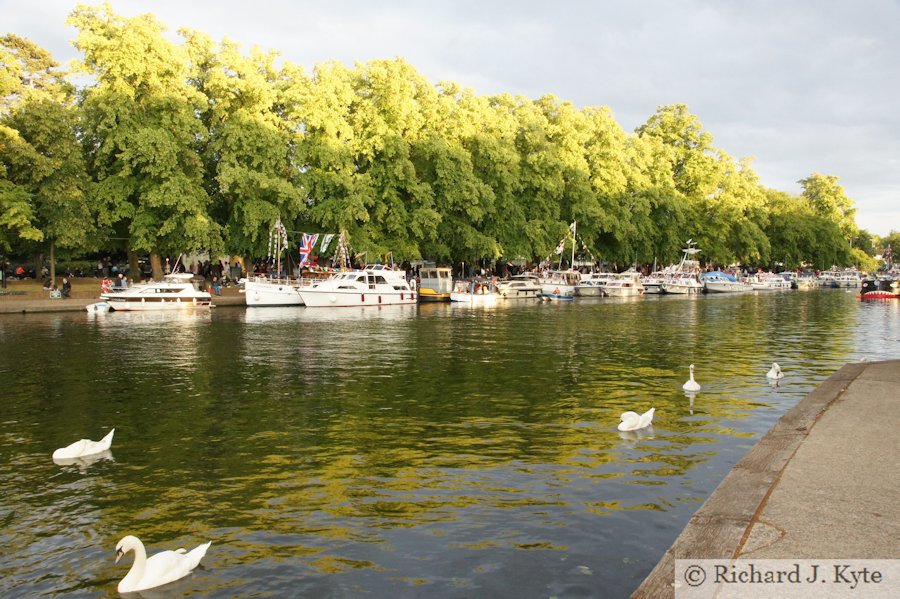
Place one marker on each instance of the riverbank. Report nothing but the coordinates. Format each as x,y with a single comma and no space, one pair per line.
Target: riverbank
821,483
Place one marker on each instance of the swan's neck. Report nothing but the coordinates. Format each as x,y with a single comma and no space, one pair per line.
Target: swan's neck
136,573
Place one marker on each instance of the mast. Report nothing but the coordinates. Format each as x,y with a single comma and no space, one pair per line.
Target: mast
574,227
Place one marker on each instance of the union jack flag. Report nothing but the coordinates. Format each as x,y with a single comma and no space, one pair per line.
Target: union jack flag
306,248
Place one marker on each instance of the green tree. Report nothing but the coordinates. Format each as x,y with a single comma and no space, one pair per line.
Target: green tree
45,189
828,199
143,134
250,171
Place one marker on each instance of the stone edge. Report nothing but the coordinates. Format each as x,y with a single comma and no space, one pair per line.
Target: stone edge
721,526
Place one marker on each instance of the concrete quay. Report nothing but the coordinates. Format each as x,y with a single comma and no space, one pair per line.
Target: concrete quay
823,483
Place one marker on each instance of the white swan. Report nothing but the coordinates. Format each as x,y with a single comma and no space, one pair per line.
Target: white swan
162,568
775,372
691,384
84,447
632,421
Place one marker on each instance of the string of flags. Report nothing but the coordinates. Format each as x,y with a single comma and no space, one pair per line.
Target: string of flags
308,245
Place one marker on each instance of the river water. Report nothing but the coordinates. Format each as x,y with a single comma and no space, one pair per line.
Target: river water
430,451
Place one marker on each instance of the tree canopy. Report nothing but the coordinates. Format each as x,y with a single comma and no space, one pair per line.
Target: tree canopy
198,145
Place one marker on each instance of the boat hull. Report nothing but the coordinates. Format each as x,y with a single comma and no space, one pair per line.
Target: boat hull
555,297
519,293
265,293
624,291
340,298
474,299
142,305
726,287
426,294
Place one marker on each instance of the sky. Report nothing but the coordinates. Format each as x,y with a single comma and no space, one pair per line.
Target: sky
801,86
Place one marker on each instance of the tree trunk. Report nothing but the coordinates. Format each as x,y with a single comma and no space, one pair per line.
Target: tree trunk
134,267
156,266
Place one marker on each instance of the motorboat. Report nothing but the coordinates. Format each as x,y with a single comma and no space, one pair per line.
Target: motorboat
685,278
176,291
682,283
593,284
98,307
265,291
474,293
560,283
519,287
885,287
435,284
377,285
807,280
723,282
767,281
652,281
846,278
625,284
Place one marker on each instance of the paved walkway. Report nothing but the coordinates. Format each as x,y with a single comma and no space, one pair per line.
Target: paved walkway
823,483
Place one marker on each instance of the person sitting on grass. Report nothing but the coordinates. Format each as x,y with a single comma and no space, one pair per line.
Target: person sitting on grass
66,288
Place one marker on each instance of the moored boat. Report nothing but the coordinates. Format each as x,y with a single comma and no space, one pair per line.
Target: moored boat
435,284
377,285
474,293
625,284
560,283
175,291
880,288
525,286
685,278
593,284
723,282
767,281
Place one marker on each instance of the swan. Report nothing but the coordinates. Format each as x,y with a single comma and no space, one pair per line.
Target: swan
84,447
162,568
691,384
775,372
632,421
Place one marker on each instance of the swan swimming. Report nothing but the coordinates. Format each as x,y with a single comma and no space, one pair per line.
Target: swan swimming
84,447
691,384
775,372
632,421
162,568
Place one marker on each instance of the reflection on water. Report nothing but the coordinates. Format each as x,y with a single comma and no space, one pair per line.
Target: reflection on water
397,450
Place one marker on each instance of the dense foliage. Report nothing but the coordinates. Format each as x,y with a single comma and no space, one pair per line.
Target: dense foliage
173,147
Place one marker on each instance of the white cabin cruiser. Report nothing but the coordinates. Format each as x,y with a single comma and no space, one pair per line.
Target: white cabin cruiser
560,283
686,277
767,281
263,291
723,282
377,285
474,293
594,284
519,287
625,284
175,291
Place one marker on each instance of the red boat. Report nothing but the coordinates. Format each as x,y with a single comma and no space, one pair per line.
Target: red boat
882,288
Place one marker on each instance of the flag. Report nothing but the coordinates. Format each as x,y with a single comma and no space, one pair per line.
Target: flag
306,247
572,227
559,248
326,241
